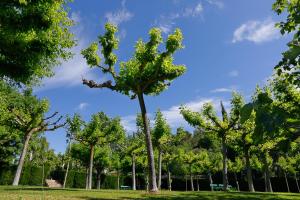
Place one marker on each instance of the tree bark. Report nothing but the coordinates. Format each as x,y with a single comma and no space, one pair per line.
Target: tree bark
297,182
133,173
286,181
91,167
118,179
191,179
236,182
210,181
197,184
22,157
268,183
151,164
249,171
98,179
68,165
224,152
87,178
159,169
169,180
186,183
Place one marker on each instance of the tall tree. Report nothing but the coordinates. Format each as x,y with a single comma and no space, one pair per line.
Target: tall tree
34,37
148,72
161,133
208,121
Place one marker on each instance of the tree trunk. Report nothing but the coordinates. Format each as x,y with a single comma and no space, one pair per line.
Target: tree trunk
186,183
210,181
249,171
297,182
236,182
118,179
91,167
133,173
98,179
151,164
286,181
268,183
87,178
224,152
169,180
22,157
68,165
197,183
159,169
191,179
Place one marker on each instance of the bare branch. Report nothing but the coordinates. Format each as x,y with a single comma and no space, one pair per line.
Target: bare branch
55,127
50,116
93,84
54,123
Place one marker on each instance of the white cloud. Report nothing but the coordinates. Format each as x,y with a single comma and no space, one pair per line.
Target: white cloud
173,116
70,72
166,22
256,31
224,89
119,16
82,106
216,3
233,73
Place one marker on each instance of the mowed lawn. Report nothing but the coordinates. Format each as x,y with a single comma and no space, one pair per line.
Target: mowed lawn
38,193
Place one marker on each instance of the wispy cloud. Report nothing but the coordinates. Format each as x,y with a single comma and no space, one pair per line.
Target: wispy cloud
256,31
173,116
224,89
82,106
233,73
70,72
217,3
166,22
120,16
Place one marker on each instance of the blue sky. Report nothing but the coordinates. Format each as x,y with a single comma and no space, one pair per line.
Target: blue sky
229,45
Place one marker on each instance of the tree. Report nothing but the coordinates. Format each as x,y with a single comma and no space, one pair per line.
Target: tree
100,130
236,166
209,122
102,161
161,136
148,72
290,63
34,37
26,113
74,126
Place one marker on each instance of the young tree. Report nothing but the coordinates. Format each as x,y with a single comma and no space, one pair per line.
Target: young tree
102,161
209,122
34,37
74,126
148,72
161,136
100,130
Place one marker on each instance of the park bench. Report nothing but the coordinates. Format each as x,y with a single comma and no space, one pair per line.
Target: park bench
218,187
125,187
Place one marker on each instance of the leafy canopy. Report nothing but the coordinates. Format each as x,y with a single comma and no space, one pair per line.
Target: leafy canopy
149,71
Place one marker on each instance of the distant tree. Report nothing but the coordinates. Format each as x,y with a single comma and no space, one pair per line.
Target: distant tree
236,166
209,122
34,37
100,130
74,126
102,161
161,138
148,72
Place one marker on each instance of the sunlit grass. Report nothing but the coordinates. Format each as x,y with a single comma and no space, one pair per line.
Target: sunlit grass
38,193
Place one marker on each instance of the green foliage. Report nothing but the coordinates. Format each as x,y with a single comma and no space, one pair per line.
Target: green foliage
290,63
34,37
147,72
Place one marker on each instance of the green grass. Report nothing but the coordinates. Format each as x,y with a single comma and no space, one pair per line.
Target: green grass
38,193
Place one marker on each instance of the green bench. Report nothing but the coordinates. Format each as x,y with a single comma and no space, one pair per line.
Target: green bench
125,187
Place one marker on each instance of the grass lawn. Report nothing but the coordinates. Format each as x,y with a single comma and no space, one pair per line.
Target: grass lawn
38,193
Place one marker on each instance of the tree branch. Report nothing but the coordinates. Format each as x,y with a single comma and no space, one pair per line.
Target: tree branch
55,127
109,70
93,84
50,116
